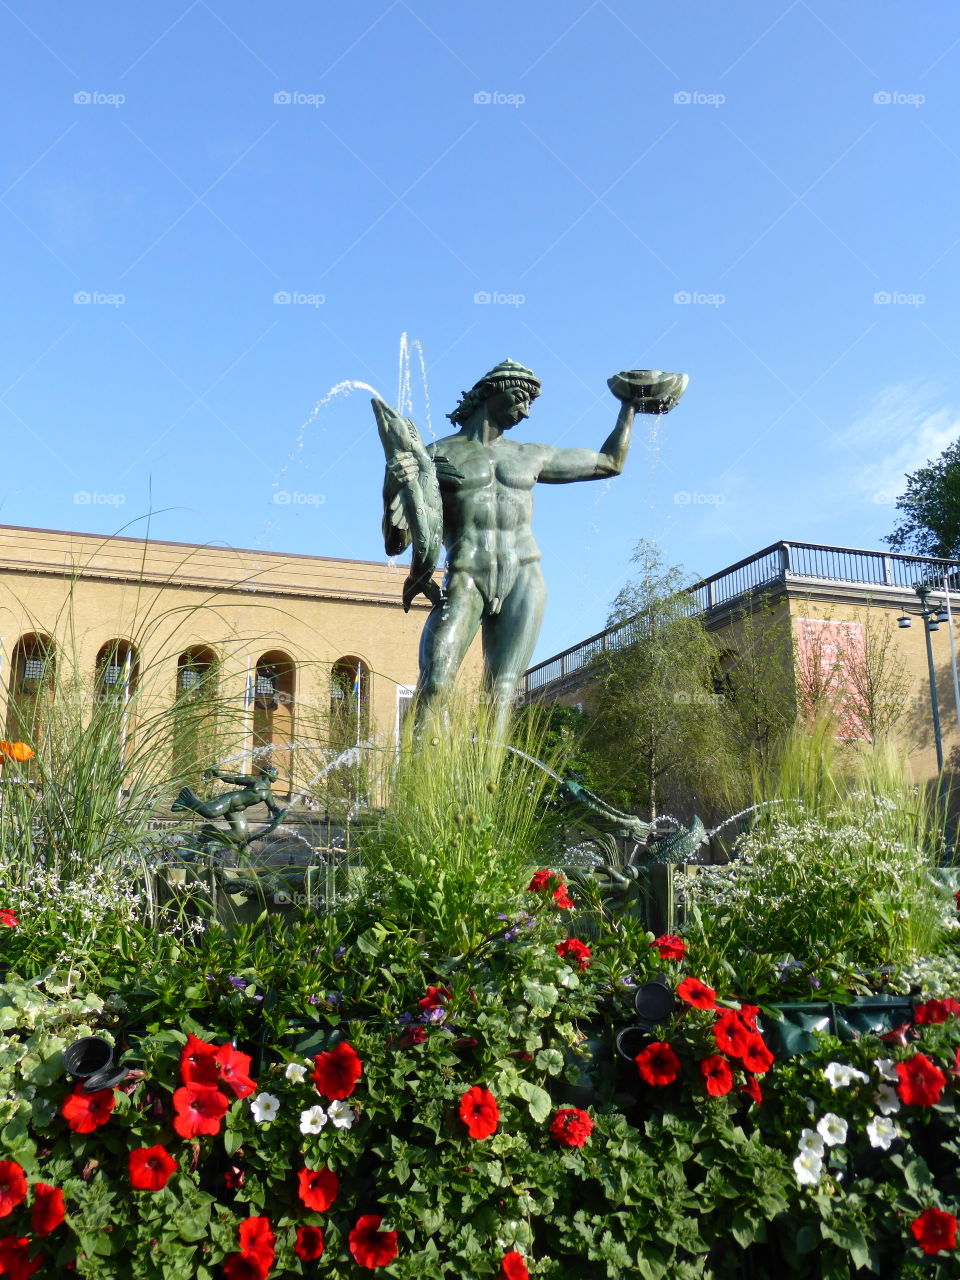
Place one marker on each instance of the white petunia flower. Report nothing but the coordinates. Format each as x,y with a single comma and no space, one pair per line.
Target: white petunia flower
881,1131
886,1068
296,1072
810,1140
887,1099
265,1107
841,1076
342,1115
313,1119
809,1168
832,1129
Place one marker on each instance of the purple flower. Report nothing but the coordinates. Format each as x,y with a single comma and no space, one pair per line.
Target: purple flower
629,981
814,982
314,999
238,984
433,1015
340,951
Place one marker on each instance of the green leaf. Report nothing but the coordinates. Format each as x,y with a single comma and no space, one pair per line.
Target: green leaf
537,1099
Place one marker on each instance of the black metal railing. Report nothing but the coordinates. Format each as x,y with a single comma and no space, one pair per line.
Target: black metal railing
782,562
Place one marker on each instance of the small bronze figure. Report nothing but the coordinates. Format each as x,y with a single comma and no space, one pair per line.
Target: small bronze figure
232,804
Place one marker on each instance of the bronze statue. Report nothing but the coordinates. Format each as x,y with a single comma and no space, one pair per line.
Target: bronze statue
477,498
231,805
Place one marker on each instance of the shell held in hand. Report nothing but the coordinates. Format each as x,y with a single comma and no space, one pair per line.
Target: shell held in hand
648,390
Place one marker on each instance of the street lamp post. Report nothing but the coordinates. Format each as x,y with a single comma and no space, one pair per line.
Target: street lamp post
932,616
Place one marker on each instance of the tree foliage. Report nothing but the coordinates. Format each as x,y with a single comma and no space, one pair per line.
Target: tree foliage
931,508
662,732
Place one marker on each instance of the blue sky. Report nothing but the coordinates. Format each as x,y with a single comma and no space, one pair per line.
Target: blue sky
732,191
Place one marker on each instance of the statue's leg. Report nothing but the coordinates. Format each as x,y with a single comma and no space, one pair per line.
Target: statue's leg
447,635
510,637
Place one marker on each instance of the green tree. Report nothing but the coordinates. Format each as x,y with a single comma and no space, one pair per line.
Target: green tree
931,507
662,733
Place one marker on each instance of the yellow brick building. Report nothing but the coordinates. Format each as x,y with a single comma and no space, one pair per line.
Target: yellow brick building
289,643
824,607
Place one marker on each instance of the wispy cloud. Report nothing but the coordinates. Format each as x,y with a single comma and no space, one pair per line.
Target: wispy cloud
904,428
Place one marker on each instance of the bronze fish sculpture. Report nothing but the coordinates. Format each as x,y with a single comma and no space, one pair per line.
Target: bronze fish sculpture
413,510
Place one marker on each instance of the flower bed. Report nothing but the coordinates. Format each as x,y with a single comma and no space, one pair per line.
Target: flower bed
329,1103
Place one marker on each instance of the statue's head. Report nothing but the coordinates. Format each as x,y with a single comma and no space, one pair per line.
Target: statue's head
509,390
269,771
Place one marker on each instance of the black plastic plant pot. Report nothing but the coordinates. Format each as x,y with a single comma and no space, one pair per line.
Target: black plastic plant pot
90,1059
654,1002
629,1041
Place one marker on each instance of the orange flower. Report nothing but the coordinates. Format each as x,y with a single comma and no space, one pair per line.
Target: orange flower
18,751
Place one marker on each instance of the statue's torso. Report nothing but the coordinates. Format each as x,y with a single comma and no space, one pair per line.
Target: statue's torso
487,514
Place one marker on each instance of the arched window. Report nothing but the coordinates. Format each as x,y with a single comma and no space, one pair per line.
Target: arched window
31,689
273,695
195,714
118,671
349,702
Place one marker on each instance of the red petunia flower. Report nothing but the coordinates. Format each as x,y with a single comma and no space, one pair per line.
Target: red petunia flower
199,1108
235,1177
513,1267
13,1186
198,1062
541,881
233,1068
85,1112
574,949
435,998
309,1244
370,1246
15,1260
748,1015
257,1241
561,898
697,993
670,946
571,1127
150,1168
657,1063
412,1035
921,1081
241,1267
318,1188
479,1112
935,1231
49,1209
752,1089
8,917
717,1075
935,1011
336,1071
731,1034
757,1057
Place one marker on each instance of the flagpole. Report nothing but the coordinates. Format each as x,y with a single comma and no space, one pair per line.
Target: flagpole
953,649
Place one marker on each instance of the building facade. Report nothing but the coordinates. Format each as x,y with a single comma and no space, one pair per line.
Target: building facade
839,616
298,649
